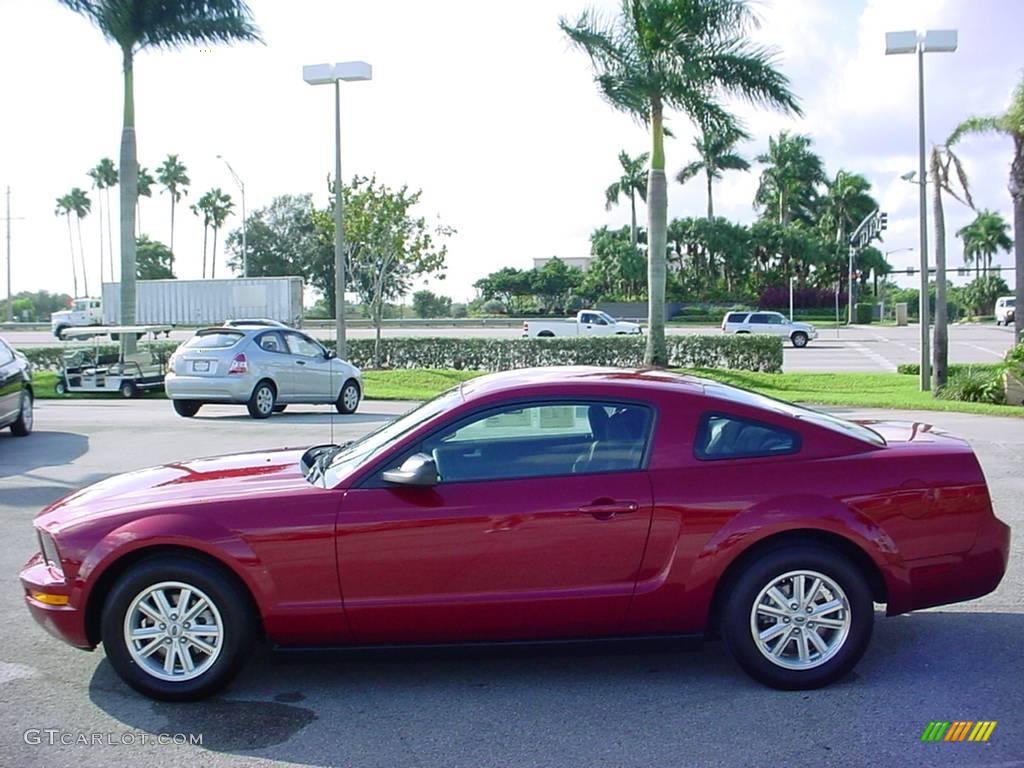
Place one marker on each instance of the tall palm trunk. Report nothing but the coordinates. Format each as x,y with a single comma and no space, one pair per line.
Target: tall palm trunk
71,247
172,230
940,346
656,352
1017,195
711,202
206,229
110,236
99,203
632,225
213,255
81,256
128,189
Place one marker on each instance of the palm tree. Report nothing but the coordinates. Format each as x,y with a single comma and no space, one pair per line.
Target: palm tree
847,202
788,185
146,182
134,27
220,207
941,161
675,54
64,208
81,205
715,150
104,176
1010,123
204,208
633,182
173,175
988,234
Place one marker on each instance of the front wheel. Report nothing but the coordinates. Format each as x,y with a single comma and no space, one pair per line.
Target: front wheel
348,398
176,629
798,618
61,388
23,426
128,390
799,339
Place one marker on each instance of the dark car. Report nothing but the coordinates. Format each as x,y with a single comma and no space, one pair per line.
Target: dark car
534,505
16,393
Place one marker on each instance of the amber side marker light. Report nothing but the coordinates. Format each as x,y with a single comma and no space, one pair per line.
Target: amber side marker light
43,597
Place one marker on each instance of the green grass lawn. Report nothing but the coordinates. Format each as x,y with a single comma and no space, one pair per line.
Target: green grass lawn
860,390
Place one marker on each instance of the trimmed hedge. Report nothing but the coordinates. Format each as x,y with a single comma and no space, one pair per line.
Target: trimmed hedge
739,352
736,352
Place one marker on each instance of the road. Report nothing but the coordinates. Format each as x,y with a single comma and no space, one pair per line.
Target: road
635,708
865,348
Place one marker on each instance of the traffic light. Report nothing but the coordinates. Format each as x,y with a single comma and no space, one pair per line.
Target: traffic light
883,220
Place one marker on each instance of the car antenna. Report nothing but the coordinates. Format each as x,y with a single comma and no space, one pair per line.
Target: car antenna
330,368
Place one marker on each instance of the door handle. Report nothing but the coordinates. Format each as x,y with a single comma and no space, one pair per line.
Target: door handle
300,362
609,509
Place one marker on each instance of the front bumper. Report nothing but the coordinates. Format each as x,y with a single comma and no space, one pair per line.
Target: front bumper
225,389
65,622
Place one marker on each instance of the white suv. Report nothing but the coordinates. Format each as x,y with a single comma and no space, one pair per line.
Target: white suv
769,322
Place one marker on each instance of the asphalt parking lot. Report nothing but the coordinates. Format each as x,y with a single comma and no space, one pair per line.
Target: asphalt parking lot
861,348
633,708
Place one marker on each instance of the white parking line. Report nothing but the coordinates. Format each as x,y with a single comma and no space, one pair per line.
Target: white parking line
876,358
997,355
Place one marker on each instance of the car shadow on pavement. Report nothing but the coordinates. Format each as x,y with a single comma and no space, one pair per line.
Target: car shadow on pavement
553,708
307,417
20,455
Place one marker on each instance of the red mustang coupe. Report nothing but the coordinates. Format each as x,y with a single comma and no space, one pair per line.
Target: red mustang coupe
559,504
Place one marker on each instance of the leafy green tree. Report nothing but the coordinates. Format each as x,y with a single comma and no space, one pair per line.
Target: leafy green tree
173,176
283,240
618,271
133,27
675,54
429,304
983,238
146,182
846,204
632,183
35,307
104,176
789,183
554,283
508,285
64,208
716,153
981,294
153,259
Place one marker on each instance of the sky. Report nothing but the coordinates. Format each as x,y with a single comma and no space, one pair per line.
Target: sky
483,106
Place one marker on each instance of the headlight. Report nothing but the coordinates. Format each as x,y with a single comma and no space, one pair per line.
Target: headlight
49,549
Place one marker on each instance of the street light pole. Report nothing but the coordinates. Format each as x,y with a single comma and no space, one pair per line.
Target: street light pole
914,42
322,74
241,187
10,301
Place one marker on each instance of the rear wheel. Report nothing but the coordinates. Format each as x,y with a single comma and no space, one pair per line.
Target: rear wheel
128,389
348,398
799,617
261,404
61,388
23,425
546,335
799,339
59,331
177,629
186,408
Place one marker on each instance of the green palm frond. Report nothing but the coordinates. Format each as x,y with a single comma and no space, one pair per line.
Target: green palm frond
973,125
689,170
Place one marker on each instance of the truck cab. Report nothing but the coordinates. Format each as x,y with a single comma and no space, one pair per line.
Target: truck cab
82,312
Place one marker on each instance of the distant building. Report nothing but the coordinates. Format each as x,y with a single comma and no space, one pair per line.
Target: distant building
579,262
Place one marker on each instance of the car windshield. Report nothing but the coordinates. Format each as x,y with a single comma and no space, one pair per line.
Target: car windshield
369,447
819,418
215,339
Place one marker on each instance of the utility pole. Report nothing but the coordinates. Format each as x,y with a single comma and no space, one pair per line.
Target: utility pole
10,302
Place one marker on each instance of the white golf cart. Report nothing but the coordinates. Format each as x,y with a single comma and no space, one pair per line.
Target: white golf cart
85,368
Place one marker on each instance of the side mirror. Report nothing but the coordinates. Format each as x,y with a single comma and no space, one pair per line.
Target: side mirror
329,354
419,470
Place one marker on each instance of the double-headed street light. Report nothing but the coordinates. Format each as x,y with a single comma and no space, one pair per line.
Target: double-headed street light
241,187
324,74
932,41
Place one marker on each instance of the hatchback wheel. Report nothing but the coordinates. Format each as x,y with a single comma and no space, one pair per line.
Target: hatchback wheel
23,425
261,404
176,629
186,408
798,618
348,398
799,339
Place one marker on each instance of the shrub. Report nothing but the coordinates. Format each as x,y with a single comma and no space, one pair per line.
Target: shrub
746,353
863,312
493,307
49,358
974,385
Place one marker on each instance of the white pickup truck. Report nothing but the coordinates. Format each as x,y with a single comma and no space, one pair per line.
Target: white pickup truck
82,312
589,322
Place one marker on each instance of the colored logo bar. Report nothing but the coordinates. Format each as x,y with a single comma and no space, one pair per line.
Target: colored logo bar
958,730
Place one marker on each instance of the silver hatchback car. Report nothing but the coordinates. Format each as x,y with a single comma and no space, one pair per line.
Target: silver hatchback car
264,368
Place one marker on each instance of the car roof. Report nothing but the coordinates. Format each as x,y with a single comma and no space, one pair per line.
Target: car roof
616,381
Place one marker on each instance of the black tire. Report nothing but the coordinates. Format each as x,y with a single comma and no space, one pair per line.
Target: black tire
238,626
261,403
59,331
60,388
128,390
186,408
279,408
743,593
545,335
349,397
742,332
22,427
799,339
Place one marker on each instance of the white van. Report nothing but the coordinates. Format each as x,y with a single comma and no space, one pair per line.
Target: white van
1005,306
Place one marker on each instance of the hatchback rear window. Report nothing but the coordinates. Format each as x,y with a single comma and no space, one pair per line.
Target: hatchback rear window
214,339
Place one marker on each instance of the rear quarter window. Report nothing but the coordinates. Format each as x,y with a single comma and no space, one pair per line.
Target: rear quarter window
214,339
736,317
723,436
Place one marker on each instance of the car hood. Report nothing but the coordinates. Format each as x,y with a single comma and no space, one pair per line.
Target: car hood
802,326
181,484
